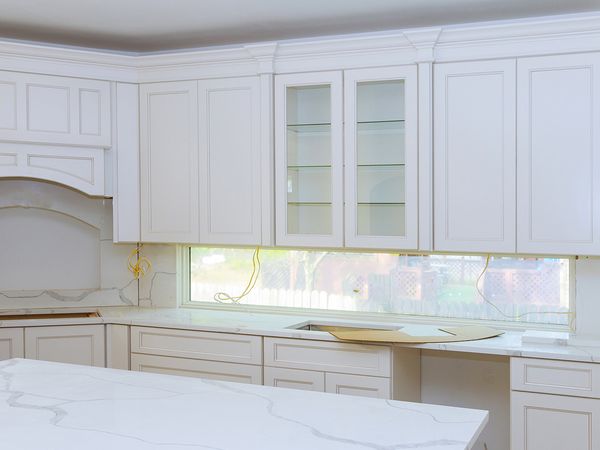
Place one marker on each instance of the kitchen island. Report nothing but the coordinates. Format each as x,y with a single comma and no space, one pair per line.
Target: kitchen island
53,406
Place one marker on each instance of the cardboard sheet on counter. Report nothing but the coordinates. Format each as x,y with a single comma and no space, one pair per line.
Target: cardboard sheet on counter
458,334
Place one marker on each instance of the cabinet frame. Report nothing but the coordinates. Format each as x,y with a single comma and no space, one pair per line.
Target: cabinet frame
446,180
253,171
527,243
282,82
190,232
351,79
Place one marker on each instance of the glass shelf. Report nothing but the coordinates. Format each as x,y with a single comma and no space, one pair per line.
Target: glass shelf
382,165
307,166
308,203
374,122
381,203
309,127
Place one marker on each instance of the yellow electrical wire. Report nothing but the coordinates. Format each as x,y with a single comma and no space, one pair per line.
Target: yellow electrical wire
518,316
137,264
223,297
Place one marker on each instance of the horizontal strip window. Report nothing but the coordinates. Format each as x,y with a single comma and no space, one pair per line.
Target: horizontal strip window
509,289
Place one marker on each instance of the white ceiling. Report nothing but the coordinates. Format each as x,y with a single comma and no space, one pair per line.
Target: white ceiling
151,25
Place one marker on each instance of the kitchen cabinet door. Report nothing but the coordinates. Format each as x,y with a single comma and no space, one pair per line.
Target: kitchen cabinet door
558,154
38,108
169,162
380,158
76,344
309,159
553,422
11,343
306,380
211,370
230,155
341,383
475,156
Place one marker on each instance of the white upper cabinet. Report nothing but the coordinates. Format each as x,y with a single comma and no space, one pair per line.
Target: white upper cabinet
55,110
169,162
201,161
56,129
380,151
230,171
359,192
308,159
475,156
558,154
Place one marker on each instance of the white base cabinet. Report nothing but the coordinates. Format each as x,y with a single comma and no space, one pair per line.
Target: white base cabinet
306,380
343,368
76,344
555,405
216,356
11,343
211,370
343,383
552,422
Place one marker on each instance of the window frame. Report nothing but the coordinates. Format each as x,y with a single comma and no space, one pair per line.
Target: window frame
184,300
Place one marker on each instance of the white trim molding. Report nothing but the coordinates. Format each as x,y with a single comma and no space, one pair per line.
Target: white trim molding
484,40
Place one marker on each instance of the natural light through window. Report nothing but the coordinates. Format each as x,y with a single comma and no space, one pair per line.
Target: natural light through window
533,290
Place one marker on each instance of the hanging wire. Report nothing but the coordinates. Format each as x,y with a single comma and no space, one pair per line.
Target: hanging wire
516,317
224,297
138,264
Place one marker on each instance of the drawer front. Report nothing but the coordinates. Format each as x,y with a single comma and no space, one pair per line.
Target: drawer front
338,357
237,348
341,383
11,343
210,370
295,379
555,377
553,422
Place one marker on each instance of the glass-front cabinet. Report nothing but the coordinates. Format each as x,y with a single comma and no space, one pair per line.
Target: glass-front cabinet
346,162
309,160
380,157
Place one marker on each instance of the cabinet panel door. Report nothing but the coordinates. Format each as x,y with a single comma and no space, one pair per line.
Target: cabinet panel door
210,370
77,344
475,156
309,159
56,110
553,422
381,170
341,383
230,195
169,162
11,343
558,153
295,379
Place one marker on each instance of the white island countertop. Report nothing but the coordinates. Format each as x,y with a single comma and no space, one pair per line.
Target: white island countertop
53,406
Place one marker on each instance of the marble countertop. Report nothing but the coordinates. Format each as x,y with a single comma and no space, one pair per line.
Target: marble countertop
280,325
65,407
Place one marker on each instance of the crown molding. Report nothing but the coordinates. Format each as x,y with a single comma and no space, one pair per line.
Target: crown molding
485,40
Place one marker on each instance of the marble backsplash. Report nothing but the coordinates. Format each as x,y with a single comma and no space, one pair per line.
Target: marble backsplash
56,250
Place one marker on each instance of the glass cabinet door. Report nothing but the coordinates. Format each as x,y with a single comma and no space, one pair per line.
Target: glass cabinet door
381,158
308,148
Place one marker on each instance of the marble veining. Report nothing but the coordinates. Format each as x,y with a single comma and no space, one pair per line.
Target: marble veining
60,406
